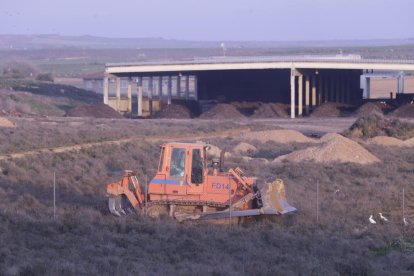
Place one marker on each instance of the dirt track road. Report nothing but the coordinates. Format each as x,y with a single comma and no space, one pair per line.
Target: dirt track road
308,126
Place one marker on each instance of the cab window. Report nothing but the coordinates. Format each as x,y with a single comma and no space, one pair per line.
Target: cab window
196,167
177,162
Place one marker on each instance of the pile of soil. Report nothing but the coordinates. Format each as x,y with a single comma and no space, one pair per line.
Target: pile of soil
222,111
99,110
6,123
327,110
271,110
279,136
376,125
368,109
243,148
409,142
334,148
386,141
404,111
173,111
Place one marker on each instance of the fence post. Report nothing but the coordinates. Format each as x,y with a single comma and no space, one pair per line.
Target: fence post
317,202
54,194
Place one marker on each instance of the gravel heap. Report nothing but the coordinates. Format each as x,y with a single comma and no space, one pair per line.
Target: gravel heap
243,148
327,110
386,141
6,122
404,111
368,109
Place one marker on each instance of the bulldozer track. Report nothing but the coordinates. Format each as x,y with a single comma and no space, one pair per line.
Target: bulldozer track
63,149
186,203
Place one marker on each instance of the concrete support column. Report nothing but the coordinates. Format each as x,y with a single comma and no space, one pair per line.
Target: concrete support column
300,95
326,89
139,98
292,93
129,95
150,93
118,93
105,90
348,90
337,89
187,87
343,88
169,90
178,86
367,88
400,88
319,92
313,91
332,89
307,92
196,88
160,87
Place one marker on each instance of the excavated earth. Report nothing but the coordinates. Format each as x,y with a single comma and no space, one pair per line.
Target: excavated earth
404,111
333,148
99,110
173,111
222,111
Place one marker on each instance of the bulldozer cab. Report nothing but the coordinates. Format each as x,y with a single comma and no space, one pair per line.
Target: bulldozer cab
182,168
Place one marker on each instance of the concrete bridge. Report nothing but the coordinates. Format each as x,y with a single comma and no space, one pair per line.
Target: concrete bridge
302,81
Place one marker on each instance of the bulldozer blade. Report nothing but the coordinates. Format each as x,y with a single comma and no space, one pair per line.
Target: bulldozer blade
115,206
273,197
111,206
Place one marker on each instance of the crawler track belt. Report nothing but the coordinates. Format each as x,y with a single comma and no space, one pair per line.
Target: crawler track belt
186,203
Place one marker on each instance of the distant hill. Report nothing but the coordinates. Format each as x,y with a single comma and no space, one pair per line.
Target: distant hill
53,41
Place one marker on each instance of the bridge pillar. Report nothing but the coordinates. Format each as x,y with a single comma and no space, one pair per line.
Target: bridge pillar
150,93
319,91
118,93
307,92
105,90
187,87
196,88
139,96
300,95
178,86
326,89
292,93
367,88
400,88
160,87
169,89
313,91
129,95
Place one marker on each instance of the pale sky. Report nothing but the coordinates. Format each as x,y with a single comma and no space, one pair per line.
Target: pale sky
254,20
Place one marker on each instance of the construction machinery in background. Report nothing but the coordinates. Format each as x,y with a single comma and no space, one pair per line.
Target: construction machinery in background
185,188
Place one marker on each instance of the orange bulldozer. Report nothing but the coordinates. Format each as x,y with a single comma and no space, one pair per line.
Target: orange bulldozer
186,188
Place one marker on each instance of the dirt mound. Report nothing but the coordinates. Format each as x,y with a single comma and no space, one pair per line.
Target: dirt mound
368,109
278,136
242,148
6,123
376,125
404,111
99,110
222,111
327,110
271,110
335,148
173,111
386,141
409,142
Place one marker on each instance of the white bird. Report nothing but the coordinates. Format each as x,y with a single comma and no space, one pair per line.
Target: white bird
405,222
383,218
371,219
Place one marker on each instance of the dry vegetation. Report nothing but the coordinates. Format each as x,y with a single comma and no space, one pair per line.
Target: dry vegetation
86,239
